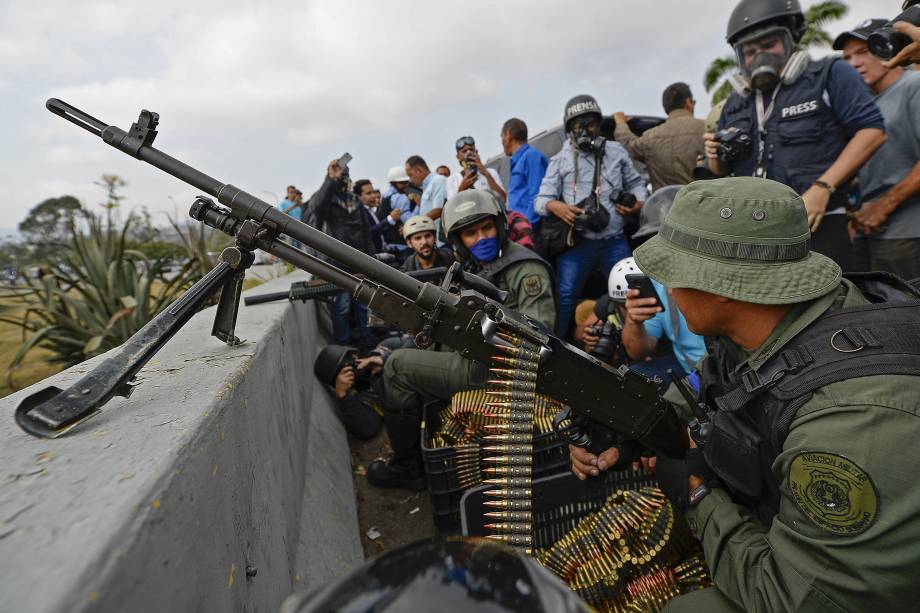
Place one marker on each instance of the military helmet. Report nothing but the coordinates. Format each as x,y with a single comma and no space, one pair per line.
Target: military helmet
330,361
466,208
756,14
743,238
418,223
579,106
469,575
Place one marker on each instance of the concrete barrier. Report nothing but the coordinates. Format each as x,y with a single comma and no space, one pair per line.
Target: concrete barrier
223,484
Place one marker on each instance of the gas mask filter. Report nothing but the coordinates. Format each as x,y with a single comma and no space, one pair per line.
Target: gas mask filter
766,69
585,139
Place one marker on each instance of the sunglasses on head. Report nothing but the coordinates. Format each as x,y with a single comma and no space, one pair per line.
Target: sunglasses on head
463,141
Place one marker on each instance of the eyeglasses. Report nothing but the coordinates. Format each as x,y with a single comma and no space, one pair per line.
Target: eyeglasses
463,141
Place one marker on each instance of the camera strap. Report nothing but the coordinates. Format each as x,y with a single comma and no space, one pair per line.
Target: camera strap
763,115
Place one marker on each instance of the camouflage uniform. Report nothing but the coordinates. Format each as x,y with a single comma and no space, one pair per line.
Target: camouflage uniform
833,526
412,376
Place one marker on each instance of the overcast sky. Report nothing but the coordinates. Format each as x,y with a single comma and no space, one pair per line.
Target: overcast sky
263,96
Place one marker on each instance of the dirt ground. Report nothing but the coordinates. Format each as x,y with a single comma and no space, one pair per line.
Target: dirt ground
399,516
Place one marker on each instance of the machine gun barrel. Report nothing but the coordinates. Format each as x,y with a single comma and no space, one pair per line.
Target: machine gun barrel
474,323
137,142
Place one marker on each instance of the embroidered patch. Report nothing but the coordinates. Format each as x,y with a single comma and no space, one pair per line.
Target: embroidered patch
533,285
835,493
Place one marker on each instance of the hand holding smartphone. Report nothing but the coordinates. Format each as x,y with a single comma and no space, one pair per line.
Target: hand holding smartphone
645,287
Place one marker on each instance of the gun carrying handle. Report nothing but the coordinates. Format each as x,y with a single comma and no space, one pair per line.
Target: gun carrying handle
484,287
75,116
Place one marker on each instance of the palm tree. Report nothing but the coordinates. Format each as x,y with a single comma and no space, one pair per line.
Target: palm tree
817,17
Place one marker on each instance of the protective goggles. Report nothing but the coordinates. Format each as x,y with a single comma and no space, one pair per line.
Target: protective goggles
463,141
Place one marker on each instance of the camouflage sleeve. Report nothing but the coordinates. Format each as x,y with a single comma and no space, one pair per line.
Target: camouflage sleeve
845,535
530,292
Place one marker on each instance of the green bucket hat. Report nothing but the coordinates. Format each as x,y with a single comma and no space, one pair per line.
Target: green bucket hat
739,237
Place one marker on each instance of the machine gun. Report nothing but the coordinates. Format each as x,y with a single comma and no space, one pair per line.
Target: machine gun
472,321
321,290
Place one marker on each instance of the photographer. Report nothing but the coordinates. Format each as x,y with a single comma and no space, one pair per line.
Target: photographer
911,51
335,210
888,220
600,333
474,173
581,187
352,379
810,124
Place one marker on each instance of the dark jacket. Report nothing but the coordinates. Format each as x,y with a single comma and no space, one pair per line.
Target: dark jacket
341,216
443,257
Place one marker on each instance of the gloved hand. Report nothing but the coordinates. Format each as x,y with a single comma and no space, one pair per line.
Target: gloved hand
673,476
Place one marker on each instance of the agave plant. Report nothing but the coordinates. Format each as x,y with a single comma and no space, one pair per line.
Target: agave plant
93,296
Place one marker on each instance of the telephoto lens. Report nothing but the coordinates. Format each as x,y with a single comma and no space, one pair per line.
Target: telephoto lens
607,341
885,42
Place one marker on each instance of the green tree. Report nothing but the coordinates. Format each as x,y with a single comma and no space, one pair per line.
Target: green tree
817,17
50,223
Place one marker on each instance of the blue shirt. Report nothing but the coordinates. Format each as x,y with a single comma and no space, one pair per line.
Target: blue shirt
399,201
617,174
434,195
688,347
527,169
286,206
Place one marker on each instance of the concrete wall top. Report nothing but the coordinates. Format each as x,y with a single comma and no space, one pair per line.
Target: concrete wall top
199,474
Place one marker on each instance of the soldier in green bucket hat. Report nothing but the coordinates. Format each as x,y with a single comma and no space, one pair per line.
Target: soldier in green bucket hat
800,483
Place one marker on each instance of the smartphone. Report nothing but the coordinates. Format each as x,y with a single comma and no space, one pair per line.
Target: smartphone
343,161
645,287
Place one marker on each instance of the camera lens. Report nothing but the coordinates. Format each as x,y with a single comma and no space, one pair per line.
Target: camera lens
885,43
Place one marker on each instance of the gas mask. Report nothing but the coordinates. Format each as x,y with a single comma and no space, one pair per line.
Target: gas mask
584,136
766,68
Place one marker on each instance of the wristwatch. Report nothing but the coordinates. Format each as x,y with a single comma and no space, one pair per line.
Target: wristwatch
697,494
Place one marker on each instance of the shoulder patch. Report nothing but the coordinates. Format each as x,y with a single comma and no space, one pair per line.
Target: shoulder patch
533,285
834,492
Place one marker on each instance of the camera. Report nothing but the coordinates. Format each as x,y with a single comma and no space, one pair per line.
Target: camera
608,340
363,376
624,198
595,217
470,163
734,145
885,43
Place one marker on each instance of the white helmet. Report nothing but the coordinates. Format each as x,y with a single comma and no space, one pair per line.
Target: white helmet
397,174
418,223
616,282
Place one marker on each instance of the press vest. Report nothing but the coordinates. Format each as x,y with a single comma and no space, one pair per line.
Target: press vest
752,410
803,137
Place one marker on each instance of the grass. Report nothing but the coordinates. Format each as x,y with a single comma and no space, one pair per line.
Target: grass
35,366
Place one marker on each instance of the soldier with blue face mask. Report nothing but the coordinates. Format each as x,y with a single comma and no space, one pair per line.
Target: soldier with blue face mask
476,230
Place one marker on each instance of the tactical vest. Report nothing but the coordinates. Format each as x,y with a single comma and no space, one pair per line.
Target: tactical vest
803,137
752,410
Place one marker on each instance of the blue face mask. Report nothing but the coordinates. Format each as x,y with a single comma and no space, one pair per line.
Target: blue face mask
485,249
